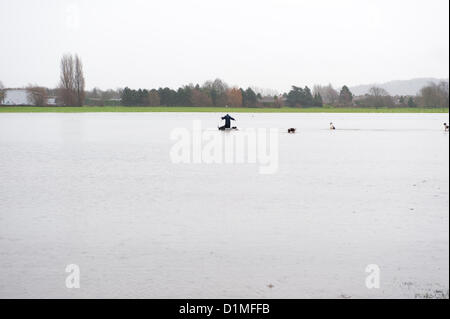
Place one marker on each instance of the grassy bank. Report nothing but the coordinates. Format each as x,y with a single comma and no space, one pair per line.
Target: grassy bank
327,109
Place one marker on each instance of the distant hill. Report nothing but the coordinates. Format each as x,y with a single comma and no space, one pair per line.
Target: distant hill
400,87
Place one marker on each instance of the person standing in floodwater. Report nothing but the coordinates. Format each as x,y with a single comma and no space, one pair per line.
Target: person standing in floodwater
228,120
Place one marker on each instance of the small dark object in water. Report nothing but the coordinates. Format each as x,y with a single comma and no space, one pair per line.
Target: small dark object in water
234,128
292,130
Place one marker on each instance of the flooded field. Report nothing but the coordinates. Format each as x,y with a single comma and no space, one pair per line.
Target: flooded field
101,191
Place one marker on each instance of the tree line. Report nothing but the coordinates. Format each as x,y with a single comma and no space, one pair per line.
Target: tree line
212,93
71,92
217,93
432,95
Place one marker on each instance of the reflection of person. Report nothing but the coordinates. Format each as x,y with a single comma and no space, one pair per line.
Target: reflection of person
228,120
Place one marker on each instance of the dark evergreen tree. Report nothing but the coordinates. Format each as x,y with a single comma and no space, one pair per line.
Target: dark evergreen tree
308,98
411,102
127,97
184,96
295,96
345,97
249,98
318,100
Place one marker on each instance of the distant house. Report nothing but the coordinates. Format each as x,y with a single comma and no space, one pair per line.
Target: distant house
16,97
52,100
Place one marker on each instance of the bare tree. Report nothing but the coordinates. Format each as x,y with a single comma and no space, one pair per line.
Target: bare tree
66,80
377,91
328,93
217,90
72,82
79,82
379,97
217,85
434,95
37,95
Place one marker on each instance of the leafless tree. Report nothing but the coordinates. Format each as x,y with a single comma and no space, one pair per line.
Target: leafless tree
217,90
434,95
377,91
79,82
328,93
67,80
217,85
37,95
72,82
379,97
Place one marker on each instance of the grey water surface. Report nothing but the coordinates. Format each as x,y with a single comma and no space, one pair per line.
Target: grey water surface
101,191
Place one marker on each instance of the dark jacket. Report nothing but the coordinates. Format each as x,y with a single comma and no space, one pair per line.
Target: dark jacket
228,120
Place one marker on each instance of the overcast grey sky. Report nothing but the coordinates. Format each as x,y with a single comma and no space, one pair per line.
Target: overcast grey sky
268,44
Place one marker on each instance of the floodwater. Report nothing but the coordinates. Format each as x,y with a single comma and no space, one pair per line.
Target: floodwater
100,191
